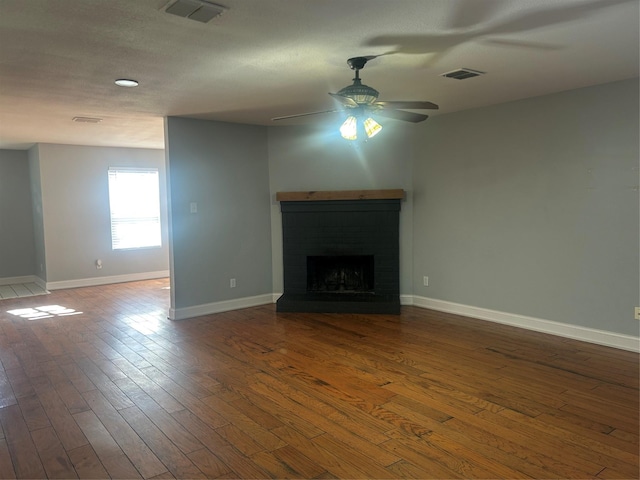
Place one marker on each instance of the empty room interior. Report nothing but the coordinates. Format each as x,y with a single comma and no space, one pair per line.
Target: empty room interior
319,239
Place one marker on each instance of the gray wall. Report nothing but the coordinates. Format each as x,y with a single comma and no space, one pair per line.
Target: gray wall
17,248
75,212
529,207
315,157
223,169
38,220
532,207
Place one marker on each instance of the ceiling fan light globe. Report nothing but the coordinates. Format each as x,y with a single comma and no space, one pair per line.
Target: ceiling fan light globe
349,129
371,127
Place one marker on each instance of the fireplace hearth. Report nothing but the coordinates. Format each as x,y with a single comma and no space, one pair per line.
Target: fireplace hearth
341,252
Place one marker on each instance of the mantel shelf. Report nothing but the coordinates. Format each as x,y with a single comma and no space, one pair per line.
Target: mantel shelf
340,195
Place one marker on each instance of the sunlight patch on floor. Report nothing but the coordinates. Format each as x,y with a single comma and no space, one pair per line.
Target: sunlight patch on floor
45,311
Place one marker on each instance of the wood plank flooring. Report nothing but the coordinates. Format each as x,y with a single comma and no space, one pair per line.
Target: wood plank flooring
96,382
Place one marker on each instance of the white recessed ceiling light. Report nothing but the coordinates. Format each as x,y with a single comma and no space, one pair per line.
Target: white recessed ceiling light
126,82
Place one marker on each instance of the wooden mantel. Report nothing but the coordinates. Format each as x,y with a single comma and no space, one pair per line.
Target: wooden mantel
340,195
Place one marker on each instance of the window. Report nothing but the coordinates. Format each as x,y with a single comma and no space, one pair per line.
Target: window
134,200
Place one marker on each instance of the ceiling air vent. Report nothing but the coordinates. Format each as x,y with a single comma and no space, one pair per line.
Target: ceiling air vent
86,119
197,10
462,74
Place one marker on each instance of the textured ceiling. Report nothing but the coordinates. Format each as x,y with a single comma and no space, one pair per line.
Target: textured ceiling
267,58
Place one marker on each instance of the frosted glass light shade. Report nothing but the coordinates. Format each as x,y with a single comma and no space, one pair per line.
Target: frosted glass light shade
349,128
371,127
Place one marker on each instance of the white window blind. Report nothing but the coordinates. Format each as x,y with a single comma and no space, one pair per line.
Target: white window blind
134,200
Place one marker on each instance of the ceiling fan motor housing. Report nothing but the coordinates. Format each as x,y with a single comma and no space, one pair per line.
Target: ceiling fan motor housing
361,94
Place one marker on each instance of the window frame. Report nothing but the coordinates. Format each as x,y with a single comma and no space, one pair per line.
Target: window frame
117,221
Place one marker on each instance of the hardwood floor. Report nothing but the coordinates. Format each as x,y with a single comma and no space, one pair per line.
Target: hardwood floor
105,386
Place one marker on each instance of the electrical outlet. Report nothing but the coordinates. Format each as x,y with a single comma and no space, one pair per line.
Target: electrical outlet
425,281
232,283
98,264
637,313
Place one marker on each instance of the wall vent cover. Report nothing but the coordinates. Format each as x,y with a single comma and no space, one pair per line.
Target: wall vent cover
462,74
197,10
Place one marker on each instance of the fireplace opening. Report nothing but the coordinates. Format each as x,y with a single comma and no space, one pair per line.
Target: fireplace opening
340,274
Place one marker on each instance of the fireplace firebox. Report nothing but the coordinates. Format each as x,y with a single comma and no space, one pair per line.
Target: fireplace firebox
340,273
341,255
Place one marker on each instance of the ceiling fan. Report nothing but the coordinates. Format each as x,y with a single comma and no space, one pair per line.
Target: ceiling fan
360,101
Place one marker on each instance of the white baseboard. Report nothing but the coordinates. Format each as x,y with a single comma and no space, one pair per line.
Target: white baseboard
17,280
91,282
218,307
40,282
576,332
406,299
24,279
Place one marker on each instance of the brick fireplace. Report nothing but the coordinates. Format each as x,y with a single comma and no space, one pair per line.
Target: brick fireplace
341,251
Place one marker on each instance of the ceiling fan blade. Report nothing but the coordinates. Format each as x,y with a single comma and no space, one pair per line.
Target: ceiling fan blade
401,115
304,115
472,14
412,105
344,101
